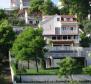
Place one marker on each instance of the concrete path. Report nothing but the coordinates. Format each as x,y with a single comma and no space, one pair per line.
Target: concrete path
27,78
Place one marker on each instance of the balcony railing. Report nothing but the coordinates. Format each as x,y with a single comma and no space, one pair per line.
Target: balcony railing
57,52
66,32
72,40
59,48
60,55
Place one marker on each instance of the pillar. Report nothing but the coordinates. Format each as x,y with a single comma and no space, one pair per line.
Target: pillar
21,5
26,16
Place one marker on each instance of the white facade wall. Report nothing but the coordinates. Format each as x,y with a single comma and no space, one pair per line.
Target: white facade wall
49,26
88,58
56,61
75,30
64,27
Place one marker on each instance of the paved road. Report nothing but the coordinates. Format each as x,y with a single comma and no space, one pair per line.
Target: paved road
5,75
27,78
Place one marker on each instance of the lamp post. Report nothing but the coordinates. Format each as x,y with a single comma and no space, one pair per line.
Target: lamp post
89,15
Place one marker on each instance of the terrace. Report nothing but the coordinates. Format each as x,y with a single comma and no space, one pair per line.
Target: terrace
63,51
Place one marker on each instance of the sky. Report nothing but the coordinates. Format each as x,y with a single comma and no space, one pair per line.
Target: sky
6,3
55,1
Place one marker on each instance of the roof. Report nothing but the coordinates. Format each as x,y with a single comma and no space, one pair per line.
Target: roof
49,17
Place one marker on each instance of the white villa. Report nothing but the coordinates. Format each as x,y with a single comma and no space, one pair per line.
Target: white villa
61,33
61,30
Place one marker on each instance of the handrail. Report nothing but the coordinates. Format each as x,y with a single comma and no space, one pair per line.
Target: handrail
63,48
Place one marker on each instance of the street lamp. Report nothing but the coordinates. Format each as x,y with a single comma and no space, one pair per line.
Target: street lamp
89,15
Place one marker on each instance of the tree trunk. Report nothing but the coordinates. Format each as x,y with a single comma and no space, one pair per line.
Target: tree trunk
16,65
20,78
43,64
28,64
36,63
71,79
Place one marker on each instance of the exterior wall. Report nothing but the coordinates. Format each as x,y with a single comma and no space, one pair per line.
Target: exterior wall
71,42
34,21
49,26
54,27
20,3
68,31
88,58
56,61
25,3
15,3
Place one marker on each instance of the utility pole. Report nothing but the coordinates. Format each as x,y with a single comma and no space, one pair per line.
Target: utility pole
89,15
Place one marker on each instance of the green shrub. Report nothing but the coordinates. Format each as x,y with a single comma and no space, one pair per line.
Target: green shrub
87,70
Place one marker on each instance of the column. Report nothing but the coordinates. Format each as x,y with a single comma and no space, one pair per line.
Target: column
21,5
26,16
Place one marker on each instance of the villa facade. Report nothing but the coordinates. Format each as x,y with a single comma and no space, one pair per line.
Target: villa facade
61,33
60,30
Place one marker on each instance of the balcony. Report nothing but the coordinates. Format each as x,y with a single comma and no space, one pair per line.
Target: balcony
60,52
65,39
64,48
61,55
68,32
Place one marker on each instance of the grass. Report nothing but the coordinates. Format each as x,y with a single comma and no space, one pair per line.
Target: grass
31,71
42,71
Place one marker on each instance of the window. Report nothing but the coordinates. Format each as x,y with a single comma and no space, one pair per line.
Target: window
68,19
64,28
62,19
75,37
69,37
74,19
58,37
65,37
71,28
57,30
58,19
54,38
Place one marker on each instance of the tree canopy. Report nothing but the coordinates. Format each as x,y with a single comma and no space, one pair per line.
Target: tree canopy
43,7
6,36
29,44
67,66
87,70
85,41
79,7
36,5
49,8
87,27
2,14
